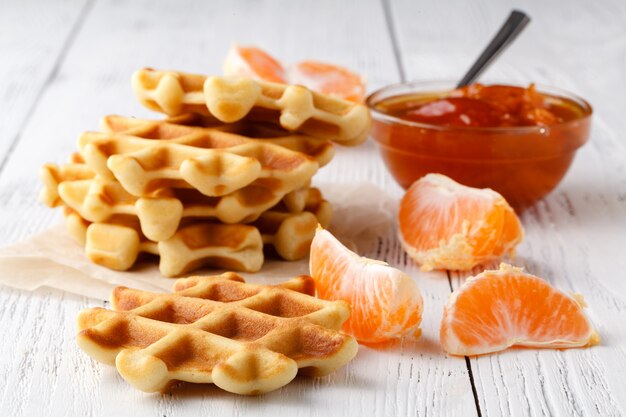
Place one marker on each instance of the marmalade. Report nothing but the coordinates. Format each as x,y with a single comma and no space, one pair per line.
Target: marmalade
518,141
478,105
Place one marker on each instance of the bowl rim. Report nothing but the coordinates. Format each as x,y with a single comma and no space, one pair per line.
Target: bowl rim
371,101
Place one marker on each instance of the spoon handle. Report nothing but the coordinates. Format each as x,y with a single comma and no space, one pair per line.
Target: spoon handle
516,21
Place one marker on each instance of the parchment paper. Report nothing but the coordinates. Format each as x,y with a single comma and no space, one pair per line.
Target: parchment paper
52,258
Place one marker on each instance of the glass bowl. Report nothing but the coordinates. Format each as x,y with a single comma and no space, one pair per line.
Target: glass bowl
522,163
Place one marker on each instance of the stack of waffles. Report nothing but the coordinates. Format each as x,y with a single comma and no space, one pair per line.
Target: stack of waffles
225,175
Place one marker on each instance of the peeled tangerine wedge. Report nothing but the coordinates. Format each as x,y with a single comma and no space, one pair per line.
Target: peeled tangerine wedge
508,307
328,79
386,302
251,62
446,225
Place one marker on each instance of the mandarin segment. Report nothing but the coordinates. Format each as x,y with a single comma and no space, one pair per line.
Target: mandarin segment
386,302
508,307
446,225
328,79
325,78
252,62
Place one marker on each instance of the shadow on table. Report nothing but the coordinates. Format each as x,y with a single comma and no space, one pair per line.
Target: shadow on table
297,392
423,345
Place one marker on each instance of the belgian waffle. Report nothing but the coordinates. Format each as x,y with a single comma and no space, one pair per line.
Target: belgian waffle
160,214
161,155
97,199
117,242
52,175
228,100
291,234
246,339
320,149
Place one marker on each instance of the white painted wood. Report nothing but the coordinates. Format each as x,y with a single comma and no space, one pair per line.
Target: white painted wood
575,237
33,34
45,371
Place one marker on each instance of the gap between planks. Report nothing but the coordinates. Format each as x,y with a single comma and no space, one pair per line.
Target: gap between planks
402,74
468,364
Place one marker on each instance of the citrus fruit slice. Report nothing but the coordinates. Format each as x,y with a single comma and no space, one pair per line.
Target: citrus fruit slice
386,302
446,225
251,62
328,79
508,307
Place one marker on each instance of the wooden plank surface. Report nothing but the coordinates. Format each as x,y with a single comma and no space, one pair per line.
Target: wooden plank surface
34,37
575,237
42,365
70,64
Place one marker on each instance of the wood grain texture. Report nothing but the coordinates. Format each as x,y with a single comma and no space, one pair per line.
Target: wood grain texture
92,80
575,237
34,35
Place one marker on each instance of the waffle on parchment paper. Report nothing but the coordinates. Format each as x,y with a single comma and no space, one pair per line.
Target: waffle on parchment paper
246,339
227,231
205,186
118,241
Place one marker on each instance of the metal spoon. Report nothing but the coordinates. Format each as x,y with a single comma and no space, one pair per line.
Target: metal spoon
516,21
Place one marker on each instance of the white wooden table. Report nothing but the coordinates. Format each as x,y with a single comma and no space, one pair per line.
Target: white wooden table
66,63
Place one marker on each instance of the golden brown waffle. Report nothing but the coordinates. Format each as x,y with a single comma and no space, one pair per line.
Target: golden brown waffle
320,149
293,107
291,234
160,155
52,175
117,242
160,214
246,339
98,199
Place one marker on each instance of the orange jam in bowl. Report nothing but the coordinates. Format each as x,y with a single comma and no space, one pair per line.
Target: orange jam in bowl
519,141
